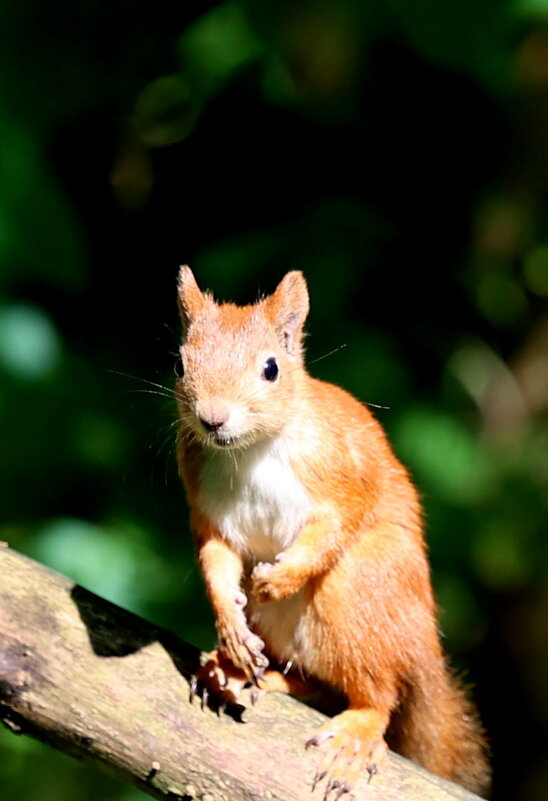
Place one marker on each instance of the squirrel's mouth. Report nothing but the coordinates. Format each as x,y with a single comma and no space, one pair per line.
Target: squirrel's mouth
219,441
223,441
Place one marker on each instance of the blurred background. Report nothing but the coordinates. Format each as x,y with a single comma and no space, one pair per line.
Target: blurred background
394,151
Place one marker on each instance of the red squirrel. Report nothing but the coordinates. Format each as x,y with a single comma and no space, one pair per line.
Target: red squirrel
310,541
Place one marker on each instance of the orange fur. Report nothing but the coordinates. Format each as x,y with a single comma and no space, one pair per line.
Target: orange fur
310,539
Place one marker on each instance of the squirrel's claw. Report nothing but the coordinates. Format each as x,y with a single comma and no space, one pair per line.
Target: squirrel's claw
318,777
334,785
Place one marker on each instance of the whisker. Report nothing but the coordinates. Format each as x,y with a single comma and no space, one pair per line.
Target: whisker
170,392
149,392
139,378
325,355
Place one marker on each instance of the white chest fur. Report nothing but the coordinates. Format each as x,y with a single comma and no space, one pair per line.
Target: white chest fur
254,498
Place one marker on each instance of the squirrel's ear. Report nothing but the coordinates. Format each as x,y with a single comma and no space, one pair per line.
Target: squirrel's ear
288,309
190,298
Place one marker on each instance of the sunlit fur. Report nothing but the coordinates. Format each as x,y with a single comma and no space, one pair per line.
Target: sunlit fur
301,476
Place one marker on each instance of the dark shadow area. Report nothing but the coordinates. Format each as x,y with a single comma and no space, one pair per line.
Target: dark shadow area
114,631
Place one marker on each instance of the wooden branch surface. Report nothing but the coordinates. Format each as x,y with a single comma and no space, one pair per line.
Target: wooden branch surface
102,684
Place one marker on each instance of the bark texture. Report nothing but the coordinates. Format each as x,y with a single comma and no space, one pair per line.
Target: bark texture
102,684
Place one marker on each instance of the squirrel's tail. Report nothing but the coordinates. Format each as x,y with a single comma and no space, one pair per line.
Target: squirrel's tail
437,726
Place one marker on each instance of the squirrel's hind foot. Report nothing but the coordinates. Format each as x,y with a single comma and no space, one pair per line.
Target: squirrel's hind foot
218,684
354,746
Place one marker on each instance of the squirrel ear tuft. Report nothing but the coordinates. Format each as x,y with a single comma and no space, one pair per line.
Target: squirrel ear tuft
289,309
190,297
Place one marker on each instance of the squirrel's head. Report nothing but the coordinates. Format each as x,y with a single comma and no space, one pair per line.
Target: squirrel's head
240,364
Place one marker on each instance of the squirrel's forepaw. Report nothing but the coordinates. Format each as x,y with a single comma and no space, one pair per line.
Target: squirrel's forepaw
244,649
272,582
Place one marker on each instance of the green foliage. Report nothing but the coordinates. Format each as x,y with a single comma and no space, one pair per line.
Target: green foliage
395,152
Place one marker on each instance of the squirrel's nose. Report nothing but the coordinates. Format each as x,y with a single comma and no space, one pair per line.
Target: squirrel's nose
212,425
213,414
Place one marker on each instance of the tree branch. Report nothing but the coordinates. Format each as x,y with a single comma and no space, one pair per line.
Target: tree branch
102,684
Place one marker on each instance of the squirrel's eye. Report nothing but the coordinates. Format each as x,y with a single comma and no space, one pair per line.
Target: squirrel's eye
270,369
178,368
